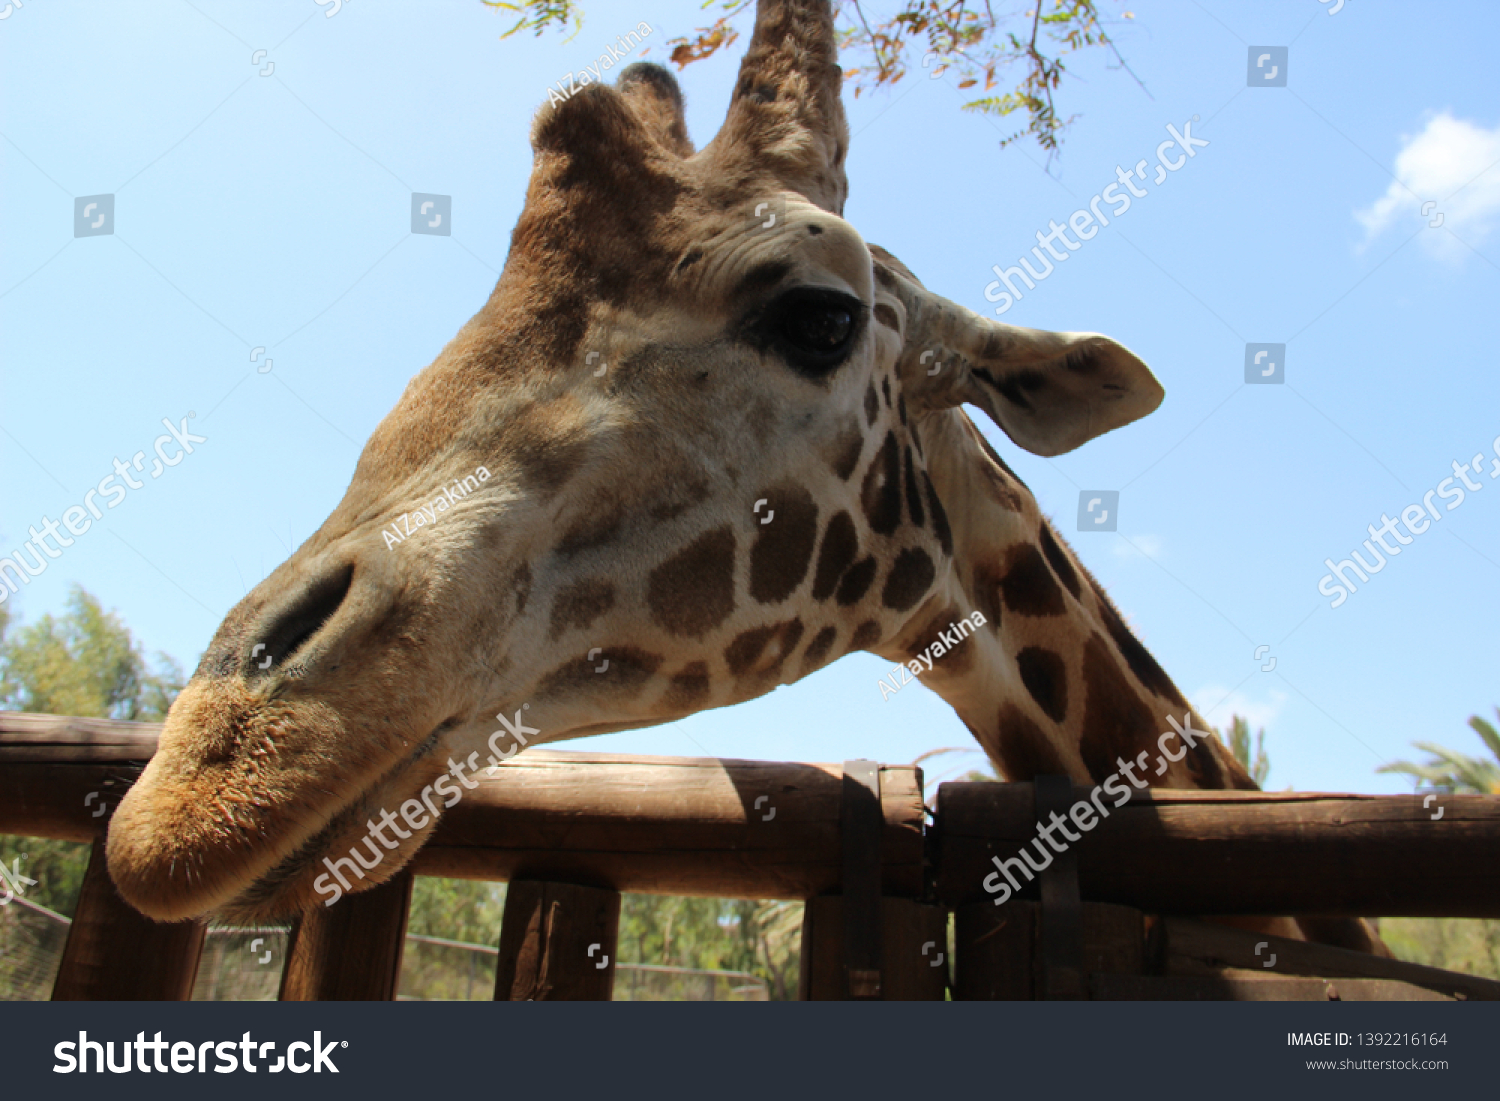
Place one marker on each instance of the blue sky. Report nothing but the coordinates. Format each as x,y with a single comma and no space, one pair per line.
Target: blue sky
273,212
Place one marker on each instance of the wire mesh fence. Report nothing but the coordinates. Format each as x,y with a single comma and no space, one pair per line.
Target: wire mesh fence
245,964
31,944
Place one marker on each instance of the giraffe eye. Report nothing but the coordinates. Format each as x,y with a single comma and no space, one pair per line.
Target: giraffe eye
816,329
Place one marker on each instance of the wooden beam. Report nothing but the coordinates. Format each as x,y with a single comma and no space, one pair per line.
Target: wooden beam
1213,946
672,825
1220,852
350,951
25,736
115,954
60,801
558,943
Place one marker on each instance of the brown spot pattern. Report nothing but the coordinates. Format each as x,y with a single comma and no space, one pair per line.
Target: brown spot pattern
986,593
1006,489
1024,749
1116,722
598,527
939,517
840,546
1057,558
881,493
872,405
867,634
579,604
547,453
680,494
692,592
914,493
1136,656
887,317
910,577
1046,677
629,670
955,660
847,449
688,688
783,548
818,649
857,581
748,652
1028,585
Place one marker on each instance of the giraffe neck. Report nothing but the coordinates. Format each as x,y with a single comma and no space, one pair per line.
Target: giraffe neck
1054,681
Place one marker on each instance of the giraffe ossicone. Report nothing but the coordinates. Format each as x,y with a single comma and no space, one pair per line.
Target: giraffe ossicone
616,569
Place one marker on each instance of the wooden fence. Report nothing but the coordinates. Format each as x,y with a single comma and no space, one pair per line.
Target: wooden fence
569,831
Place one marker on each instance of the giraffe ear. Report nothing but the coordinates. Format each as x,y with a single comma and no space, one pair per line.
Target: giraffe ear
1050,392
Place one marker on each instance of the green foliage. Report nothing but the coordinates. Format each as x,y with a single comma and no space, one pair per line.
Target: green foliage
1258,766
57,867
1458,944
761,937
83,663
977,45
1451,772
537,15
457,909
1468,945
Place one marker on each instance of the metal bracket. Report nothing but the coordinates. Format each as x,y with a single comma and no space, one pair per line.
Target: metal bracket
862,823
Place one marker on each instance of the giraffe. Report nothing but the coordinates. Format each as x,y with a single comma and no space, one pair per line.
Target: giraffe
722,444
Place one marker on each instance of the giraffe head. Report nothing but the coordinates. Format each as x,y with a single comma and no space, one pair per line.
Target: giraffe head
701,440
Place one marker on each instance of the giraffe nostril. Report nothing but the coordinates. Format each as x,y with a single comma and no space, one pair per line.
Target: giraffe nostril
288,629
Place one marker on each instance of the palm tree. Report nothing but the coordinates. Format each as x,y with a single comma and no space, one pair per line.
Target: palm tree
1259,766
1451,772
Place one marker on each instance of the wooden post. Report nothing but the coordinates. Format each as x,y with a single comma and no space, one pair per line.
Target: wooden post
557,943
1060,920
1000,954
913,951
995,950
350,951
113,953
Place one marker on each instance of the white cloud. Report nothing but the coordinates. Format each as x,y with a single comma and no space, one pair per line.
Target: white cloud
1217,704
1451,163
1134,546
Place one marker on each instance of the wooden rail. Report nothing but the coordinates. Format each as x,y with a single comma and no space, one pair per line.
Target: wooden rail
572,830
1239,852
